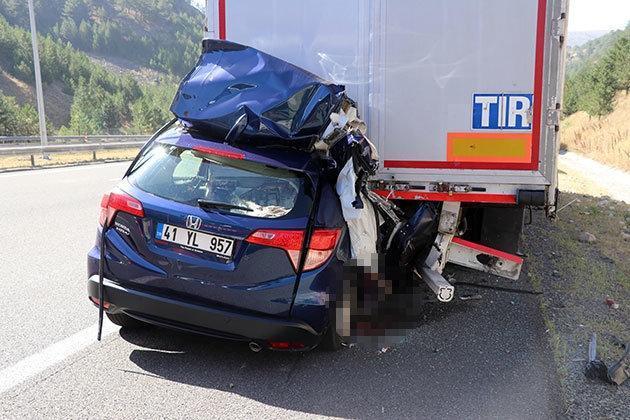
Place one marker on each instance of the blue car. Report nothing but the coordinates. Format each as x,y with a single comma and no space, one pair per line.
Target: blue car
240,243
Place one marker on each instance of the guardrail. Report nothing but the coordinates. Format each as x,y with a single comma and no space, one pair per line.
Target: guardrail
56,148
75,139
12,149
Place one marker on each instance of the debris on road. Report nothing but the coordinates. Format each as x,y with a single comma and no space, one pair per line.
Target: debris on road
499,288
597,369
620,371
586,237
471,297
611,303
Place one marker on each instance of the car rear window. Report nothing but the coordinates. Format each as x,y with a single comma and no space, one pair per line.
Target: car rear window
190,176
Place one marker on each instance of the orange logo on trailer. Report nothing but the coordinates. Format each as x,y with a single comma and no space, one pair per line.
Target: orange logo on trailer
489,147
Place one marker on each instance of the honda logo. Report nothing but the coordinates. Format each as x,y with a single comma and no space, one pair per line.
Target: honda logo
193,222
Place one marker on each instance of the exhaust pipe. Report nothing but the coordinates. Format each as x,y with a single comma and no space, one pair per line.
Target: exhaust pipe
255,347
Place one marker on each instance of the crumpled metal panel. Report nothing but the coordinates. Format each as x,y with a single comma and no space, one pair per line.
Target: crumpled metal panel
284,104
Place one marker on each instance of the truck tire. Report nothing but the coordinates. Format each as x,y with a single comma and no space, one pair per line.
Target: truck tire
125,320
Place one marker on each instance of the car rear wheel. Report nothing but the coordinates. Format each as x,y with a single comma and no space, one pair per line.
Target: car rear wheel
125,320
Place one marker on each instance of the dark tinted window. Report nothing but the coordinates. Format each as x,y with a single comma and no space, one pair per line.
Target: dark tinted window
187,176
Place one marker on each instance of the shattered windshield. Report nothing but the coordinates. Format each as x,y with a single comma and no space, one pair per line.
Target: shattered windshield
218,183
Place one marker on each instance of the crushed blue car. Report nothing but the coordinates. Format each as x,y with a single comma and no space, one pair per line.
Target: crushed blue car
229,222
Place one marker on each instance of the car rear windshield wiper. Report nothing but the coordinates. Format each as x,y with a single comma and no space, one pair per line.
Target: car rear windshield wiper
203,203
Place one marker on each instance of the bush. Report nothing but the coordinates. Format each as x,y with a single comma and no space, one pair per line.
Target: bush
15,119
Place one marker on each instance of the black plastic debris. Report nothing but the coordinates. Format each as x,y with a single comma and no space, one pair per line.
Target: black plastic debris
413,241
597,369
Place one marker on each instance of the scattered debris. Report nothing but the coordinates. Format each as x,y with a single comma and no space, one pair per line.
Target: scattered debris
499,288
385,350
586,237
620,371
611,303
231,385
567,205
555,273
471,297
602,203
625,236
597,369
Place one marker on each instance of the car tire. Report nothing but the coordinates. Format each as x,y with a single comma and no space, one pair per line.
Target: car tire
331,340
125,320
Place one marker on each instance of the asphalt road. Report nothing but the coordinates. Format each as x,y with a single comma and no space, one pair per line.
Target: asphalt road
473,359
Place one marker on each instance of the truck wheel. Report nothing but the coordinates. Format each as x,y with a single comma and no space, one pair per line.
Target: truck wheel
331,340
125,320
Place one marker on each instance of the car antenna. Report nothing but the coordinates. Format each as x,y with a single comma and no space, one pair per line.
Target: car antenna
101,268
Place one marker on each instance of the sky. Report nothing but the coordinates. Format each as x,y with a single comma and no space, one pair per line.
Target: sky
595,15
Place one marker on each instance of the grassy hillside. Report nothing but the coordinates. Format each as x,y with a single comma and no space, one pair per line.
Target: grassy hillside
591,51
100,101
596,101
162,34
595,74
605,138
82,45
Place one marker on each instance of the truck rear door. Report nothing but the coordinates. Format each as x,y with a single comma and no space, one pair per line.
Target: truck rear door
461,96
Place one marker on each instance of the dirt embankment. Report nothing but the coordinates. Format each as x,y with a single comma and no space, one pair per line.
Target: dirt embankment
578,273
56,102
606,139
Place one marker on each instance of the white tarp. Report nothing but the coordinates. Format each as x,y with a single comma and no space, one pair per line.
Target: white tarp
361,222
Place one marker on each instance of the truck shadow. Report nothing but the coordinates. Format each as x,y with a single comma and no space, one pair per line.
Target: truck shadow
454,362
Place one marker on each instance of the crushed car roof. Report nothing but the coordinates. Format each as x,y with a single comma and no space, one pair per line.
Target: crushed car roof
283,104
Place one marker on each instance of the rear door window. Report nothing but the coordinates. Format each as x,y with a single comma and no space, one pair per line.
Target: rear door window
235,185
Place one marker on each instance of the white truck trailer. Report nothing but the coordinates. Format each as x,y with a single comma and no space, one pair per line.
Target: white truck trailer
462,99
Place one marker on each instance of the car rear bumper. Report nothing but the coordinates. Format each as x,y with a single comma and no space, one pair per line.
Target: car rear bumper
177,314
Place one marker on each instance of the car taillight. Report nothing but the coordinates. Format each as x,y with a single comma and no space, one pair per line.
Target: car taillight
323,243
116,201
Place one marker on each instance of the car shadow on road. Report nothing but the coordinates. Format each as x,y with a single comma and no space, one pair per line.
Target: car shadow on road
446,367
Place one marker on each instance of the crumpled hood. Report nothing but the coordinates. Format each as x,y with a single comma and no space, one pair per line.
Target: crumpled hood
284,104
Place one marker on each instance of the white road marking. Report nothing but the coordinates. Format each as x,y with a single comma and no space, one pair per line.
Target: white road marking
34,364
49,171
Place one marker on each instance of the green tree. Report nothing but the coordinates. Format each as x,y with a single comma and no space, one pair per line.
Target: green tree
151,110
16,120
619,55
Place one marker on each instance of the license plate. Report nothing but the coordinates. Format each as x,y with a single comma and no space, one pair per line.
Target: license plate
195,240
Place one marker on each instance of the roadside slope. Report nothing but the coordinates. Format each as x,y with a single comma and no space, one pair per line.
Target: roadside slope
577,277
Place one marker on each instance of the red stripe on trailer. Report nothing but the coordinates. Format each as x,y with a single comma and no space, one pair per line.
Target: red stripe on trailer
487,250
538,80
537,114
455,165
440,196
221,19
